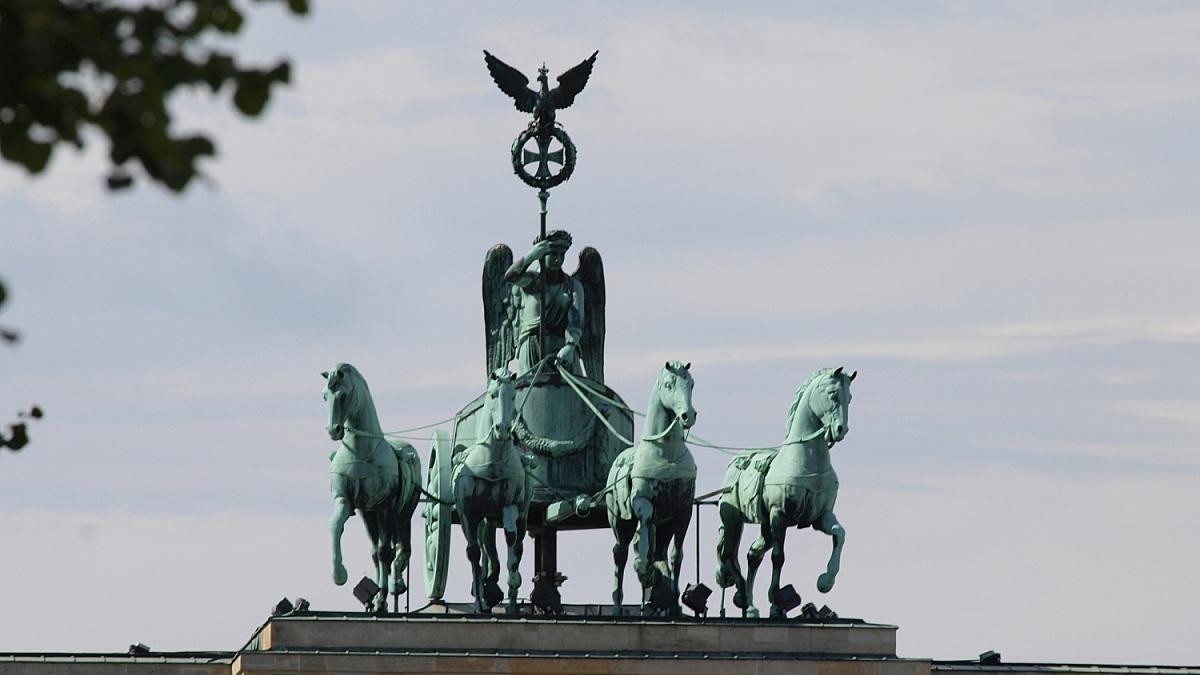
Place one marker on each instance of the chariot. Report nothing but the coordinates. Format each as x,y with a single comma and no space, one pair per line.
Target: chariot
570,427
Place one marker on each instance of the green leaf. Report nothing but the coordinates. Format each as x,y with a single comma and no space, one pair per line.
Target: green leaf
118,180
253,91
18,439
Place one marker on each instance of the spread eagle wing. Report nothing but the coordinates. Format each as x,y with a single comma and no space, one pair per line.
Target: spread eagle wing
501,344
512,82
590,275
571,83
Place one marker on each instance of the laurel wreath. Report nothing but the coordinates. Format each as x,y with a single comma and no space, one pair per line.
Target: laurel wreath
551,447
551,181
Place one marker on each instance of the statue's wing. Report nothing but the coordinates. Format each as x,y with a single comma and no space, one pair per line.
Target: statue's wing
513,83
498,327
572,82
591,276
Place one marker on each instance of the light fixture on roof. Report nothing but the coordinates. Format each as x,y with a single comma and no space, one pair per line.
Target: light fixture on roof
695,597
787,599
365,591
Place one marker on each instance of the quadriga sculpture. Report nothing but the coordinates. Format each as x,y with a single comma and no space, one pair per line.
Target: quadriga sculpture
490,486
368,473
650,490
792,486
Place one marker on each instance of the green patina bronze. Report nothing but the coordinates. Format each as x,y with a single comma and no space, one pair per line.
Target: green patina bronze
540,448
542,319
792,486
381,479
491,487
529,314
651,487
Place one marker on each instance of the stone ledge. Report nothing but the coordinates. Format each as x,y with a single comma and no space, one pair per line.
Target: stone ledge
458,634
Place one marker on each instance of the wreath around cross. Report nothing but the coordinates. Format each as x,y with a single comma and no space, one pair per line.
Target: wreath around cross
542,179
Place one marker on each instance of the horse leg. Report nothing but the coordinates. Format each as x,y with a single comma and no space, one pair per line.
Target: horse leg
470,528
754,558
374,523
404,515
643,562
387,557
778,529
403,555
729,535
512,535
680,527
623,531
492,595
337,524
829,525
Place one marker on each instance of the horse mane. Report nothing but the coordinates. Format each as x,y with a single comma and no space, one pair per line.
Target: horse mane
673,368
816,375
358,383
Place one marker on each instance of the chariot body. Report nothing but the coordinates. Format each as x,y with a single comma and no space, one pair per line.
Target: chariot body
569,425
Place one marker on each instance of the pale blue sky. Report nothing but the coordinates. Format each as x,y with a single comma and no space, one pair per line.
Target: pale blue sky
989,211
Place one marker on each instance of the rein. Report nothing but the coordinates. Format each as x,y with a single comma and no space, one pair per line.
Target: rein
575,386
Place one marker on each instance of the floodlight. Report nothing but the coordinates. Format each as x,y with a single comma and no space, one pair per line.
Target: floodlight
989,658
787,598
695,597
545,596
825,613
282,608
139,649
301,605
365,591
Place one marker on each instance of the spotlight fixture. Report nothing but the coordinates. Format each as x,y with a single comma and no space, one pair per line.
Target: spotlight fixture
139,649
826,614
989,658
809,612
282,608
365,591
787,598
545,596
301,605
695,597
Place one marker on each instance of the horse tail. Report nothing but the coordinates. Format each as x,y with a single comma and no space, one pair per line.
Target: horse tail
729,534
409,464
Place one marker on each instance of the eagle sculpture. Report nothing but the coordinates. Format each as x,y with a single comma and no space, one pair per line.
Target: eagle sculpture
542,103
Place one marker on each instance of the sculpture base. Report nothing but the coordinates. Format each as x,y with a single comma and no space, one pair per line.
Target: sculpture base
358,643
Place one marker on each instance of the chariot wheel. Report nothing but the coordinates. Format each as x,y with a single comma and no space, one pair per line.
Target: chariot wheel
439,514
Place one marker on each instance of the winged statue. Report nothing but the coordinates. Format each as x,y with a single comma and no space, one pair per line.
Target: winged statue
529,315
544,101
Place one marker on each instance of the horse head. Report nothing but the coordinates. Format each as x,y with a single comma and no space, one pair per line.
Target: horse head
500,404
829,401
341,385
674,390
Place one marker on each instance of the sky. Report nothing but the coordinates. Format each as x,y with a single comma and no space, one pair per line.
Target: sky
988,210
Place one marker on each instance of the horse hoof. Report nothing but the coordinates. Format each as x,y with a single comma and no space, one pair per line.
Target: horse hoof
617,610
777,613
340,575
739,600
750,613
492,595
825,582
